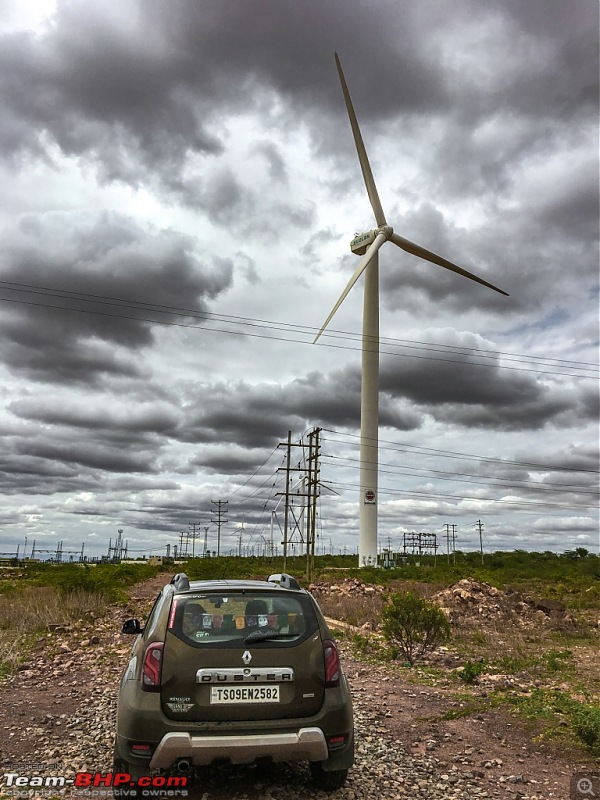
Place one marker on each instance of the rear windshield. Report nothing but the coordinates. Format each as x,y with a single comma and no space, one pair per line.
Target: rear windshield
234,618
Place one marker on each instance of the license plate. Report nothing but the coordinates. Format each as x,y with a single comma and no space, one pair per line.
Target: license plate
243,694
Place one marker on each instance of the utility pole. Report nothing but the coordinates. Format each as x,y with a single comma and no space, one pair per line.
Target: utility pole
447,526
272,524
193,536
287,498
313,492
240,539
479,524
220,512
454,544
288,470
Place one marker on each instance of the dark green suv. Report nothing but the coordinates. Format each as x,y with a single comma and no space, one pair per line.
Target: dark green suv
238,671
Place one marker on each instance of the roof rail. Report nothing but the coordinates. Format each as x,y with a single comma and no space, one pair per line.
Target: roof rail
180,582
284,580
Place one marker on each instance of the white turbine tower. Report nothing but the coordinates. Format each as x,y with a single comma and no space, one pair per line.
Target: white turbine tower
367,245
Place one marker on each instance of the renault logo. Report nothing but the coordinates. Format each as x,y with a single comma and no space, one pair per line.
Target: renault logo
247,657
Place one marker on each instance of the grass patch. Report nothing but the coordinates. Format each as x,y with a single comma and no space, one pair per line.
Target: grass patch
44,595
563,716
355,609
33,610
555,714
373,650
108,580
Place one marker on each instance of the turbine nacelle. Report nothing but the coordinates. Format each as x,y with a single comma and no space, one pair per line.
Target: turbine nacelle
361,242
368,244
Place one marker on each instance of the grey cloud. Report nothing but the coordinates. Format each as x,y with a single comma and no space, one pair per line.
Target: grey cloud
411,281
237,413
225,200
231,461
462,389
276,163
91,67
260,415
247,267
103,415
115,279
310,251
496,107
99,457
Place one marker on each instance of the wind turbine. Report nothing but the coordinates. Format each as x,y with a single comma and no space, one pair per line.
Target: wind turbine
367,245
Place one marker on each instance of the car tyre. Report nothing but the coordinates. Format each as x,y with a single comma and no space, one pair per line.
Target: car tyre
330,780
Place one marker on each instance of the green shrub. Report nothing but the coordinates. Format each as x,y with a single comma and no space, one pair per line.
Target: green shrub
471,671
586,724
414,625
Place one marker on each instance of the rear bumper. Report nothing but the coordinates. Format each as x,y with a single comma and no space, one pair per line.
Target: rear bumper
307,744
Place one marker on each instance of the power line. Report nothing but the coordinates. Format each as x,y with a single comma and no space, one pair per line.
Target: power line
456,476
480,500
256,471
301,330
432,451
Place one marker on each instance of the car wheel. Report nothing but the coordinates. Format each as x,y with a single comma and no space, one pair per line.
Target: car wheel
329,781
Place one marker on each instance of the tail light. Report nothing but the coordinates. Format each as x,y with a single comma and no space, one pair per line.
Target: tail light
333,668
152,667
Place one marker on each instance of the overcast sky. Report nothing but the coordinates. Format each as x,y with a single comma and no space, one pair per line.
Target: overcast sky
180,188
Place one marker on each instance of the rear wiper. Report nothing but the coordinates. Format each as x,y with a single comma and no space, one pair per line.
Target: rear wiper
263,636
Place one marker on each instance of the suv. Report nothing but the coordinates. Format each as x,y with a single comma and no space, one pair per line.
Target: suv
233,670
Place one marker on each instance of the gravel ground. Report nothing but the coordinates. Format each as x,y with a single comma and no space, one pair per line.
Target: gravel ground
58,713
383,768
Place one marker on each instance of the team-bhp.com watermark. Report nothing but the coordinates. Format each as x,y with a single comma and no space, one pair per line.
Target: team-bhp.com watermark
93,784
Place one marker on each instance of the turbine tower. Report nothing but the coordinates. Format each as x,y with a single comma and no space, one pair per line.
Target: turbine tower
367,245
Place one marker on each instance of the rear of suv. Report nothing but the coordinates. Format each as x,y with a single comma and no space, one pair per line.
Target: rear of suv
237,671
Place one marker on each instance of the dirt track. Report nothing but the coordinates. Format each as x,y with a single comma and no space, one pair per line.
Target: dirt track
58,712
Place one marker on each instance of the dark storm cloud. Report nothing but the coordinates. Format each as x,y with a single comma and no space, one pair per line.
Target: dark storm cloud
32,468
111,279
252,416
139,87
32,471
493,109
230,461
411,281
146,419
463,389
99,457
99,87
239,413
134,88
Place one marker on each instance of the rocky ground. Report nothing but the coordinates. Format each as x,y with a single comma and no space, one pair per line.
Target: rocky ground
57,718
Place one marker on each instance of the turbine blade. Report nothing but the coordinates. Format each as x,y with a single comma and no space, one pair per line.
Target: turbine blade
427,255
362,153
362,265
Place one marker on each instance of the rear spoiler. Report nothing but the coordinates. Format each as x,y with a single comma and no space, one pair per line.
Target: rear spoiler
181,582
284,580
